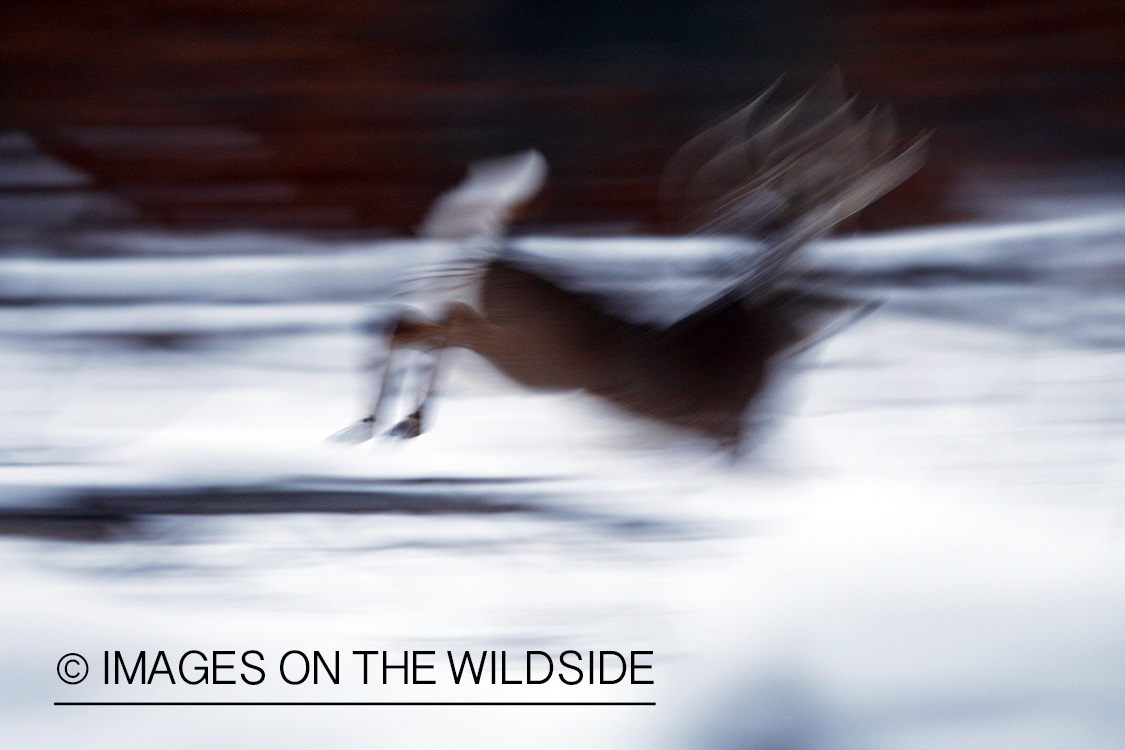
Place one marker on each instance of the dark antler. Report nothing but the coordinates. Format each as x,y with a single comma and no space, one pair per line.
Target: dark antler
789,176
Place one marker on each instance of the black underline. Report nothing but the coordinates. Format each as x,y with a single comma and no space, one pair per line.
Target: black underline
355,703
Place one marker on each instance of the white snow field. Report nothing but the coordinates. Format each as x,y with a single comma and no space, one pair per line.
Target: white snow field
924,550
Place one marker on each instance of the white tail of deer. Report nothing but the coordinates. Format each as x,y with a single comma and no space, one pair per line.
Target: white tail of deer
781,176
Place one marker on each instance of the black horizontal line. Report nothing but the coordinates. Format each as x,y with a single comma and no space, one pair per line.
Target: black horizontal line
355,703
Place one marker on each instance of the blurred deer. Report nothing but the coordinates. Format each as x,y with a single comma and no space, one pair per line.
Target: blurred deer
779,177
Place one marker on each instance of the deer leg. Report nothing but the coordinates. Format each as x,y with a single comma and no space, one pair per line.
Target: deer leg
432,338
460,326
387,378
408,331
412,425
436,338
385,371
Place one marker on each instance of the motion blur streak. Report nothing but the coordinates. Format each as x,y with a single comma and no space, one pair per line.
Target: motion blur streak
776,179
206,209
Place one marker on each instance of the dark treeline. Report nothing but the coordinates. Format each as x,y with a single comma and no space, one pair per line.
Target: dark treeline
353,115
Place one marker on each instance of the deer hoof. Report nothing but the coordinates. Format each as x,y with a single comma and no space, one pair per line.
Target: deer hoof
411,427
355,433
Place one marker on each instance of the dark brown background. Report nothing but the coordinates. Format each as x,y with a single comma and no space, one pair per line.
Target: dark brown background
353,115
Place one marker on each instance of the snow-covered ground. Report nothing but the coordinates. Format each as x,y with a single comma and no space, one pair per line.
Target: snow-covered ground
926,549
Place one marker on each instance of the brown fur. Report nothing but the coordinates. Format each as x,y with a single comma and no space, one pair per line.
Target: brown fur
700,373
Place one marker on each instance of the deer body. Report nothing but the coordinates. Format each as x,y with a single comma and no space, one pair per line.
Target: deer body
783,179
700,373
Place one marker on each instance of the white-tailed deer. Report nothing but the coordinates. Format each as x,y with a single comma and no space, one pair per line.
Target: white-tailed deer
780,177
